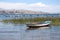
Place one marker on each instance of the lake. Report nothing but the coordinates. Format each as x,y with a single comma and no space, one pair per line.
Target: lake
12,16
10,31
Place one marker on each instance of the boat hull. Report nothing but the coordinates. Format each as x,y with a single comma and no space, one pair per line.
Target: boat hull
30,26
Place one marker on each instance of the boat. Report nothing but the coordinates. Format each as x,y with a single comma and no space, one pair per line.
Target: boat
37,25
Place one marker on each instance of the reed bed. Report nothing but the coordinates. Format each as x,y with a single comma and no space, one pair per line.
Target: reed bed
55,21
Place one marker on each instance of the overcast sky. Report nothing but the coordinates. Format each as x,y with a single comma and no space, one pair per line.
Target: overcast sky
52,6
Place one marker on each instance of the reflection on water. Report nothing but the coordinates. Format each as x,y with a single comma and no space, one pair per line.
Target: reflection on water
19,32
38,28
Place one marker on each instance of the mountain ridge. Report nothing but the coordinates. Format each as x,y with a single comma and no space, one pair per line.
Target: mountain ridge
13,11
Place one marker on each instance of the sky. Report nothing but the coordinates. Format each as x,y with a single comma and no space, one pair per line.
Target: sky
52,6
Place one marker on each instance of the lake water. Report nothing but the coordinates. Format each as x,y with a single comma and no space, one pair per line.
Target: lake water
12,16
20,32
9,31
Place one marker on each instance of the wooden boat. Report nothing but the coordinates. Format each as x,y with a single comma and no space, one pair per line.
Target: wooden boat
37,25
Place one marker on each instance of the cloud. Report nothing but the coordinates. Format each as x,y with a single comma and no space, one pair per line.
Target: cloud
34,6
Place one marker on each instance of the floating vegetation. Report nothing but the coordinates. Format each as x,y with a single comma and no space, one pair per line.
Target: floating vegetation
55,21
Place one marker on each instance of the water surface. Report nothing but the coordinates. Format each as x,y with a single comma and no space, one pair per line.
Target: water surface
9,31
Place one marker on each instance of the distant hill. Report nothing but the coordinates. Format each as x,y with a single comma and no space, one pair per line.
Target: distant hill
20,12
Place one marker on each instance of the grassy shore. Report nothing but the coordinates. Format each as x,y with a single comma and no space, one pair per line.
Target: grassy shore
55,21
